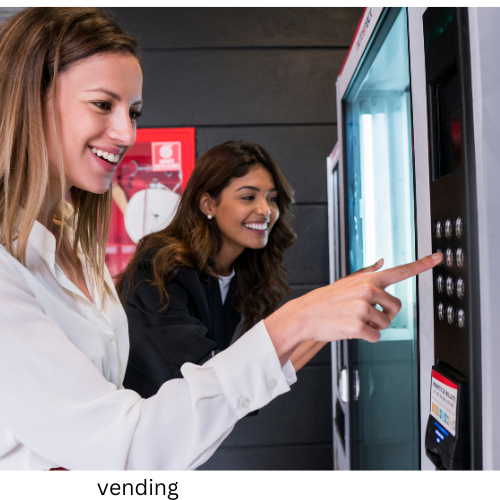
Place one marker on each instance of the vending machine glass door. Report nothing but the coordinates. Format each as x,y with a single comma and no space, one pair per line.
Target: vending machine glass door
380,224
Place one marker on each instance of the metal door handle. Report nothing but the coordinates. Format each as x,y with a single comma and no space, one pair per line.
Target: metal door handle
344,385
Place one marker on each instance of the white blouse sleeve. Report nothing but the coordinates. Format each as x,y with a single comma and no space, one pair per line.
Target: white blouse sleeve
56,402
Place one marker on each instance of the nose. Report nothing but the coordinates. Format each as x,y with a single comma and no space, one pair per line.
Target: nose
122,130
264,208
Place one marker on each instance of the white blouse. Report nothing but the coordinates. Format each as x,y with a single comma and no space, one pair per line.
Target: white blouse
62,363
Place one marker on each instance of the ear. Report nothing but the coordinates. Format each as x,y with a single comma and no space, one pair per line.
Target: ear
207,204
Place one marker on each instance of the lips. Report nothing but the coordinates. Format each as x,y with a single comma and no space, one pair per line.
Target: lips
107,155
105,164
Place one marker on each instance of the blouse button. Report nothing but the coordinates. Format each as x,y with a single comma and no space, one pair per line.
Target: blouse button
245,402
272,384
111,337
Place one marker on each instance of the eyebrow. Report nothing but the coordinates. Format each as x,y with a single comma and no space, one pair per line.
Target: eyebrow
111,94
253,188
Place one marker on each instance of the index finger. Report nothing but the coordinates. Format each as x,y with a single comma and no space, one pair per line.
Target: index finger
400,273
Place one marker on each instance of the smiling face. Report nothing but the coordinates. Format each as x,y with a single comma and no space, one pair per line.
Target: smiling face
98,103
246,211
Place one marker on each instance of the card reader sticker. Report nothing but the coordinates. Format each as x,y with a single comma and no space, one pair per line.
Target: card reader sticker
444,401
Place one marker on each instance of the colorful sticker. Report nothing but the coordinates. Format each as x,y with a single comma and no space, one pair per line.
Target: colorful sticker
444,401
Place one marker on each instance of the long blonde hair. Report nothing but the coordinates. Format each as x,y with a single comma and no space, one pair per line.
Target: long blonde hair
36,45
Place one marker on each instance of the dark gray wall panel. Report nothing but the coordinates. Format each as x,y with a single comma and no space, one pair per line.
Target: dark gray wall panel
312,457
240,87
299,290
240,27
300,152
307,260
301,416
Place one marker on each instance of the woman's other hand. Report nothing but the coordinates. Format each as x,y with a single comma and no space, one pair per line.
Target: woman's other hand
344,309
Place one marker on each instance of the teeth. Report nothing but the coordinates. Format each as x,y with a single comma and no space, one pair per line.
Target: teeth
259,227
107,156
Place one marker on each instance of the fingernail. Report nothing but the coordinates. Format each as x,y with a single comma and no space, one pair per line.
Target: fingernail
436,256
378,262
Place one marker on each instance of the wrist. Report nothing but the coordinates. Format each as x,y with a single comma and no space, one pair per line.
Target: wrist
286,331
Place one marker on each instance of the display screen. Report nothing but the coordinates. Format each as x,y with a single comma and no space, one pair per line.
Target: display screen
447,131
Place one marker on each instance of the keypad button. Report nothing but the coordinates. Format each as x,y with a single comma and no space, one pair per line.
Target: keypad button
440,311
448,257
440,284
440,251
450,315
450,286
459,227
448,228
461,318
460,288
460,258
439,229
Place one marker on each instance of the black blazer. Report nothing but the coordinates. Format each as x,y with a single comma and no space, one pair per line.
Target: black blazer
194,327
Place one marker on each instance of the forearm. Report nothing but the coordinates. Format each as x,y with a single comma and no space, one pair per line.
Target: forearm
305,352
286,331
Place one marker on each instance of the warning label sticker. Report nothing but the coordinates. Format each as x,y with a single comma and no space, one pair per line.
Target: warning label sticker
444,401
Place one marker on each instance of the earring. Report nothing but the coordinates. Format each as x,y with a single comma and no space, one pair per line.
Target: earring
209,217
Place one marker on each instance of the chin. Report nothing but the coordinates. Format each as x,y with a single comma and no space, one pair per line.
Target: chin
99,188
258,246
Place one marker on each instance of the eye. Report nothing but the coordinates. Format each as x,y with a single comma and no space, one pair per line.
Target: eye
249,197
273,199
134,115
103,105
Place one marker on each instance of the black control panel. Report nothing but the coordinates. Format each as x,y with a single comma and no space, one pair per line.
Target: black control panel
457,343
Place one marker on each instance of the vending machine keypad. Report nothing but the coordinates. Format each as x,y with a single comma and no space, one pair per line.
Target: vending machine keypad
454,260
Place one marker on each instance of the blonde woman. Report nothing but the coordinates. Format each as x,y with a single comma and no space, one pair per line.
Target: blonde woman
71,93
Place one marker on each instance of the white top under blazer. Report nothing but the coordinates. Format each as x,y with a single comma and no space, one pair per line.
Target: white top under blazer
62,363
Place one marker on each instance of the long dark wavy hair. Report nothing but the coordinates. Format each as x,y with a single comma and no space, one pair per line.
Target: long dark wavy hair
192,240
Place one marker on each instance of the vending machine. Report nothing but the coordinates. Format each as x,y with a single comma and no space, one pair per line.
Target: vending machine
418,112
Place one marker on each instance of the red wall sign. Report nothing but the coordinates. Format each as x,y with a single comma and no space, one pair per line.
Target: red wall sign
146,189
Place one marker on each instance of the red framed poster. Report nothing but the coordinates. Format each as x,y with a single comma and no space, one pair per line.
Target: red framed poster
146,189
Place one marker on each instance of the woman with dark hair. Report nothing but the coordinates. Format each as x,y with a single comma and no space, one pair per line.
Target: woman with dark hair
216,266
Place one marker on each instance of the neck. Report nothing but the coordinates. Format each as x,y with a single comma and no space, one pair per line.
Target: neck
49,206
224,260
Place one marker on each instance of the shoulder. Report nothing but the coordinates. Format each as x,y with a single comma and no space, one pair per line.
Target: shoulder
11,269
